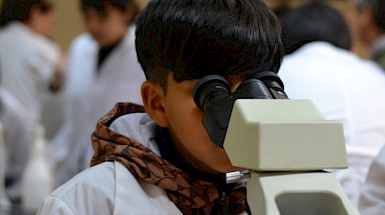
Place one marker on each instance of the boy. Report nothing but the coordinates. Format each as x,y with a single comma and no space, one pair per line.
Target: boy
102,69
163,160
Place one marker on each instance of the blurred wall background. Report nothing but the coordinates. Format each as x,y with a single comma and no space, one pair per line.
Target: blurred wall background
69,24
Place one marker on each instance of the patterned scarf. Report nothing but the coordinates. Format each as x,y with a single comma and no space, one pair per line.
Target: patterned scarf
190,195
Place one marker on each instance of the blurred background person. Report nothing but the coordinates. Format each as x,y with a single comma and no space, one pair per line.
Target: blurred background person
102,70
30,67
320,66
367,18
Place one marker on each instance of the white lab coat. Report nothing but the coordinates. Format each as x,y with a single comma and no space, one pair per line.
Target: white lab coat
88,96
27,63
372,198
110,188
18,135
347,89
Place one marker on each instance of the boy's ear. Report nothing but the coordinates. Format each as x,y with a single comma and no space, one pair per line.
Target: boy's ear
154,102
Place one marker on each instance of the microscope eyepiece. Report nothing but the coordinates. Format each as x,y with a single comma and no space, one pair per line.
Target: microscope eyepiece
210,89
273,83
213,95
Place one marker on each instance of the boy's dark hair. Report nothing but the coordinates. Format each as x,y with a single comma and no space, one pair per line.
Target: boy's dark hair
100,5
378,9
18,10
195,38
315,21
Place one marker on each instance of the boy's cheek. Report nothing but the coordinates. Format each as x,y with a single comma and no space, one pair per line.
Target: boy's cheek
197,115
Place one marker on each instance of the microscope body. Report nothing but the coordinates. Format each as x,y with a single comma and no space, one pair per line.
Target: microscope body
286,145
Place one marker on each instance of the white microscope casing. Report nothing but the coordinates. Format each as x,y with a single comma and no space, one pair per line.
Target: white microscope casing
286,144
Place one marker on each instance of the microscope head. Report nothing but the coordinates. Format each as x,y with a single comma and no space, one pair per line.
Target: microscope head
262,130
283,135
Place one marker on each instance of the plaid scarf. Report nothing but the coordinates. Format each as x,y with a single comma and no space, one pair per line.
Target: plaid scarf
190,195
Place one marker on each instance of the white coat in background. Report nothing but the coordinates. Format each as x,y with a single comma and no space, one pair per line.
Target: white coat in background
5,204
345,88
27,64
17,137
90,94
372,198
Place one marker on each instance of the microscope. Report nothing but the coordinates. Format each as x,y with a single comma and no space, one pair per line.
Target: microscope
285,145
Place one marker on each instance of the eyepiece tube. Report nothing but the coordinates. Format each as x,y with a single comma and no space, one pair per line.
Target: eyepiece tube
209,89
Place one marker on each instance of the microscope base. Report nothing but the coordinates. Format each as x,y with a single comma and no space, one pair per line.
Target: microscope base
291,193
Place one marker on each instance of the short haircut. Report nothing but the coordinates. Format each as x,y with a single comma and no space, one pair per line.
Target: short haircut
195,38
100,5
378,9
315,21
18,10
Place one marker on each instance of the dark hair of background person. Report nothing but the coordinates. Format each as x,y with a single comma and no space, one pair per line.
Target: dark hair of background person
102,5
199,37
314,21
18,10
